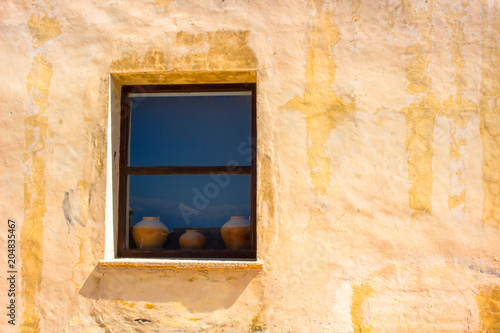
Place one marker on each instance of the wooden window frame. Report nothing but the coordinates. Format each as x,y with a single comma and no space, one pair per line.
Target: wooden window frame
125,171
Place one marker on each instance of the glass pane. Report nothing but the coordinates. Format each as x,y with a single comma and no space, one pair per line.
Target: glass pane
196,129
190,202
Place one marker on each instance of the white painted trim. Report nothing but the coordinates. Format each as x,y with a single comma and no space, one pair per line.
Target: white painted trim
109,248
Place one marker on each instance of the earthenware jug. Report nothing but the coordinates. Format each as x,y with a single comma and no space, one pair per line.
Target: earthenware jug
192,239
236,233
150,233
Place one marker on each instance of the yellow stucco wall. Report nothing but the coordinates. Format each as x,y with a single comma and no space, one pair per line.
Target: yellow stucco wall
378,163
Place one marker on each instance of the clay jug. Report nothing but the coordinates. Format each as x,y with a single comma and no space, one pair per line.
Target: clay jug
150,233
192,239
236,233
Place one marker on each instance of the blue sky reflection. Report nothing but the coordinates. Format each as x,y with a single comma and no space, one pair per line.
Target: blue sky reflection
193,201
189,130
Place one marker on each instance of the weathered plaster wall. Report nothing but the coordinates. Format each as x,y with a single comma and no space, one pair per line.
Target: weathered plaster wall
379,163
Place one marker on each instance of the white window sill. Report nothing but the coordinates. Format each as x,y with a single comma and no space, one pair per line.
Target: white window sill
183,264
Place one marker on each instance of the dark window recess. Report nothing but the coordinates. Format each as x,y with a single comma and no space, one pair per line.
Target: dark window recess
188,164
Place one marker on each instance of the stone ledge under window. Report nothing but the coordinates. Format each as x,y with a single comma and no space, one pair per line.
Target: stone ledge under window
182,264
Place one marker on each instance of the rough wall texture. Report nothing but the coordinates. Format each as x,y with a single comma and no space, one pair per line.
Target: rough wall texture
378,164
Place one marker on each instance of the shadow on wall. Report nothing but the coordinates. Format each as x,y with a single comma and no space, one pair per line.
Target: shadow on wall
198,290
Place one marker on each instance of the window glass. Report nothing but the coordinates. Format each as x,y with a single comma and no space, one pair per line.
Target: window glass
187,163
185,202
190,129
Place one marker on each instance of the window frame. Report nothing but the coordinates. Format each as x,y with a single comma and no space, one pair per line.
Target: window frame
125,170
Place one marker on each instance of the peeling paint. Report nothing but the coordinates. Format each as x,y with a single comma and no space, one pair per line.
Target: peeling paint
488,302
36,130
490,116
323,110
459,119
128,304
222,50
420,115
360,295
420,122
43,29
188,77
100,151
257,323
149,306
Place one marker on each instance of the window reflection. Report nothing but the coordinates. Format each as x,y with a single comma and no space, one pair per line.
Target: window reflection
209,129
202,203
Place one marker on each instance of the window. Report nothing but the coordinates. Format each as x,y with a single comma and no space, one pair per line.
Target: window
187,162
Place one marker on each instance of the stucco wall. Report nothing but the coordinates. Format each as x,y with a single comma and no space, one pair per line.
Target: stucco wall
378,164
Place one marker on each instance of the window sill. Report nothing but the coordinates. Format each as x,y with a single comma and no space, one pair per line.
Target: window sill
183,264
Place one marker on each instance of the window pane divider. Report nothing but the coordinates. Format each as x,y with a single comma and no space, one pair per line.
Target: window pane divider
188,170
